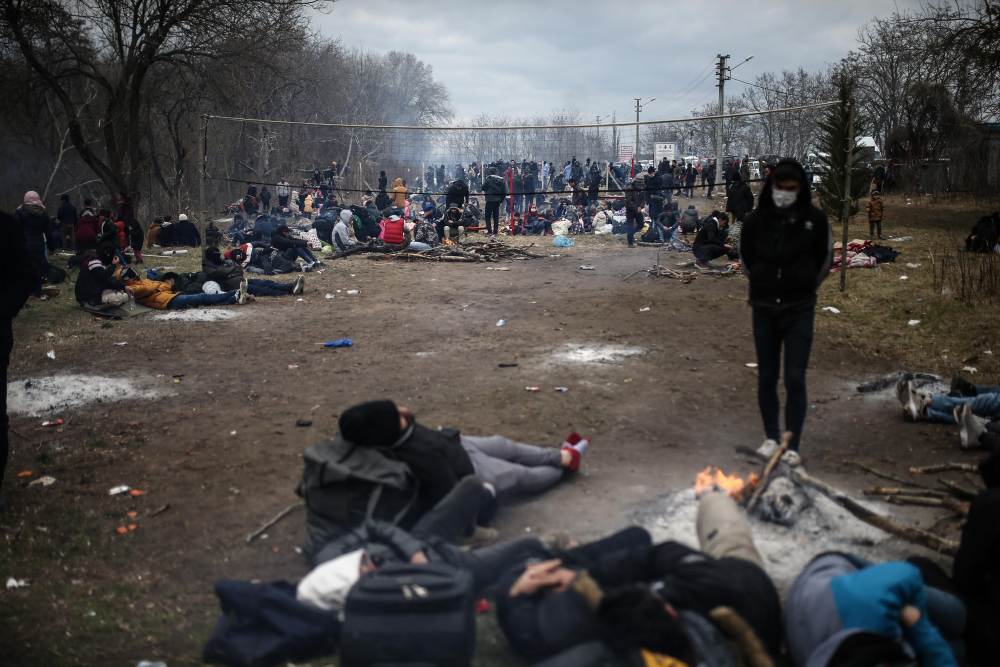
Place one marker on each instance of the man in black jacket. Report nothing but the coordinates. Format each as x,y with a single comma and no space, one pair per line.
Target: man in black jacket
710,242
495,189
740,198
292,248
635,202
787,248
67,222
457,193
710,177
17,281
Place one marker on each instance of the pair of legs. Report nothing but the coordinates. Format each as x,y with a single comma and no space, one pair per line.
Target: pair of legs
711,186
986,403
707,253
298,252
457,231
633,222
794,332
182,301
283,201
258,287
492,214
6,346
511,467
68,233
871,228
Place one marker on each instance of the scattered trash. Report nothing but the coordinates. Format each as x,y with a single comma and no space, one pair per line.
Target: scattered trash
292,367
751,365
903,278
136,492
902,238
121,344
482,606
161,510
531,388
300,299
988,352
643,310
588,268
343,342
119,490
49,334
832,310
131,515
913,323
121,530
562,242
562,389
303,422
507,365
91,613
177,381
501,322
628,379
51,354
331,296
232,433
26,473
16,583
44,481
498,268
354,291
57,422
969,369
912,266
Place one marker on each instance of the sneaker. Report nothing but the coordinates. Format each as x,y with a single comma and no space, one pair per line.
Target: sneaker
903,391
914,410
241,297
962,388
971,427
792,458
768,448
299,285
307,268
574,458
631,245
700,264
244,285
481,537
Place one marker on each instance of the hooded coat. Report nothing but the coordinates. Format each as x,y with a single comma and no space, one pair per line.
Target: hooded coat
458,193
786,255
740,198
151,293
495,188
87,230
398,193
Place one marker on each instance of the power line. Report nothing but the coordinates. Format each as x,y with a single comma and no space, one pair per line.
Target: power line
780,92
695,82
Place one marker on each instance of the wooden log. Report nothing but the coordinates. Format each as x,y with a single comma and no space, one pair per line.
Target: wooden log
915,500
768,469
959,490
884,475
944,467
281,515
891,526
884,491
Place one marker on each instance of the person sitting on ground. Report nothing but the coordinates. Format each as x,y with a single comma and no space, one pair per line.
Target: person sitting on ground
690,220
451,223
96,286
439,458
984,235
714,606
842,610
153,234
425,234
292,248
342,561
186,233
135,239
229,276
342,232
237,232
392,232
976,570
162,295
263,227
710,242
167,229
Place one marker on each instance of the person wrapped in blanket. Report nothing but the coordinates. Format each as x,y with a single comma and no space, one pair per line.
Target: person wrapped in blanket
261,259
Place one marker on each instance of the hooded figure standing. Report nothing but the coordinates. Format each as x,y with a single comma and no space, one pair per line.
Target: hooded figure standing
787,248
399,193
37,228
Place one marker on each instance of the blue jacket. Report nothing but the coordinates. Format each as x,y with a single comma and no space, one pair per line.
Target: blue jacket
835,597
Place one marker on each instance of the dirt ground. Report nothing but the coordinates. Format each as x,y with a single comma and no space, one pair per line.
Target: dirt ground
219,449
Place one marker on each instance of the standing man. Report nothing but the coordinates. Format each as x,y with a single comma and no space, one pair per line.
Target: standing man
876,213
745,169
67,222
654,194
17,280
787,248
635,201
711,178
495,190
284,191
739,200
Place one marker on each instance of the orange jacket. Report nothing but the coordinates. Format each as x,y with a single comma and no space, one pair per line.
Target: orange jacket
152,294
399,193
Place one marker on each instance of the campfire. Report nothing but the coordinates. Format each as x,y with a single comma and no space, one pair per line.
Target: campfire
734,485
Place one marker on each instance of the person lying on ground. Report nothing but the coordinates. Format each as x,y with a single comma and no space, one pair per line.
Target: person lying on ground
439,458
261,259
229,276
96,286
710,242
292,248
982,402
667,599
976,570
163,295
842,610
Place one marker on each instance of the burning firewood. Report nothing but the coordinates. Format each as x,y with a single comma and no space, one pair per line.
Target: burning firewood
734,485
768,469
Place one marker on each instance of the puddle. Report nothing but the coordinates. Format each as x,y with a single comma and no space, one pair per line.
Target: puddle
65,392
824,526
197,315
584,354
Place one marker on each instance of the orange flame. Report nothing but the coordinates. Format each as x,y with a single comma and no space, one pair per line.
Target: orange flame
731,484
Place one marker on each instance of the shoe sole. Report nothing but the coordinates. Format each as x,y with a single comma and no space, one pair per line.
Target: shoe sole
963,431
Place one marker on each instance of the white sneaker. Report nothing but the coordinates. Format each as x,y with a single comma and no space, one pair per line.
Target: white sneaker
244,285
971,427
791,458
241,297
902,391
299,285
913,408
768,448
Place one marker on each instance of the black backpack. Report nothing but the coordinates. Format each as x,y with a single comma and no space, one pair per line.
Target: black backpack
403,614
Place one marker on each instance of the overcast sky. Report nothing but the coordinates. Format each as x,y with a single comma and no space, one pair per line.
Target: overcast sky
596,56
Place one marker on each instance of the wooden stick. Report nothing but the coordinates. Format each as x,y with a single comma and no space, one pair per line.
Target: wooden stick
884,475
915,500
768,469
281,515
959,490
891,526
884,491
944,467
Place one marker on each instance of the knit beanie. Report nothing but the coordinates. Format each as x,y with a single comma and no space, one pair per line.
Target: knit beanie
374,424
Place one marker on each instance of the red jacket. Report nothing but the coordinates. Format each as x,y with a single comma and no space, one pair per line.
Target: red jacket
393,231
87,230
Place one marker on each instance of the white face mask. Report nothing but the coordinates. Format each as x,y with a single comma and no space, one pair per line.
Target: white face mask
784,199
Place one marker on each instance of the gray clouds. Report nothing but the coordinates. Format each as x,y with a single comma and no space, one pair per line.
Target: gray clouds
519,56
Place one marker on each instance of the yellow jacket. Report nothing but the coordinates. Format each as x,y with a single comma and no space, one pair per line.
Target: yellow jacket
398,193
151,293
875,209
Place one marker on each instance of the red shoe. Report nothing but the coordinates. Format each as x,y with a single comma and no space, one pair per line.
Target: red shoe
574,459
573,438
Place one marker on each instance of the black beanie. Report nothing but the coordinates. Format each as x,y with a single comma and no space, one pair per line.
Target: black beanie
374,424
212,253
737,176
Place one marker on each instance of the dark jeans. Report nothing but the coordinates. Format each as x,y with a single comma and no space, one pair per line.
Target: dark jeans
634,222
711,186
871,227
293,253
493,213
197,300
707,253
259,287
282,202
795,331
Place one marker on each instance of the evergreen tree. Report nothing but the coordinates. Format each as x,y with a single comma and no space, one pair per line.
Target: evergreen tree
833,157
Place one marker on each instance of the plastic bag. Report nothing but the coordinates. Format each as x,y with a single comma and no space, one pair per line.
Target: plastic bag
211,287
562,242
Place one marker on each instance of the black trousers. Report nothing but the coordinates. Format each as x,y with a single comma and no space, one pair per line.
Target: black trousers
794,332
634,222
493,213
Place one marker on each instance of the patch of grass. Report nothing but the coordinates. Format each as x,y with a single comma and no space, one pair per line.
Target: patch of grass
107,325
83,332
99,443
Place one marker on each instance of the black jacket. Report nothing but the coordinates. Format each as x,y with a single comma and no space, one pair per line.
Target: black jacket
283,243
495,188
18,277
228,274
67,214
710,234
635,195
786,256
458,193
94,278
976,570
436,458
740,200
185,233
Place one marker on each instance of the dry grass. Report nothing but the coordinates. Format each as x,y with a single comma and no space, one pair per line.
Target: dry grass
877,306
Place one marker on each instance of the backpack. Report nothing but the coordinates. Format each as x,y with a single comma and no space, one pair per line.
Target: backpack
344,484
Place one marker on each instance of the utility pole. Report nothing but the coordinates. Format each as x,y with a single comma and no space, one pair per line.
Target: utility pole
723,75
635,149
849,149
203,158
